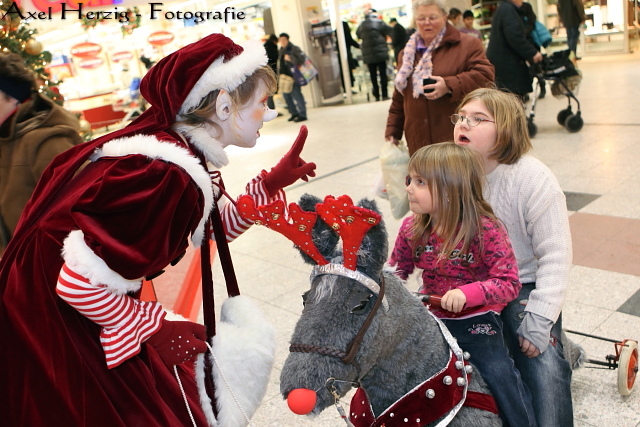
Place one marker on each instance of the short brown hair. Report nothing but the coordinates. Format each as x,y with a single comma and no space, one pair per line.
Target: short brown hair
512,140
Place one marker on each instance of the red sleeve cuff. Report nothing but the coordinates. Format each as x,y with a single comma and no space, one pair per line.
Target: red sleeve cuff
473,293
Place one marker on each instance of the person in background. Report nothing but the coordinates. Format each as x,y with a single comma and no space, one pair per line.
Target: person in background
530,18
271,47
398,38
455,63
467,28
572,15
510,50
373,33
351,61
33,130
464,254
289,56
455,17
526,197
83,349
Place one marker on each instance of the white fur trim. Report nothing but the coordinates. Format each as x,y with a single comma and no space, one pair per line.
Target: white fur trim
244,349
150,146
175,317
227,75
81,259
208,145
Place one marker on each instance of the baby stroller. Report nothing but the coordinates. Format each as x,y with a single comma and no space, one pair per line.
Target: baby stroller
565,79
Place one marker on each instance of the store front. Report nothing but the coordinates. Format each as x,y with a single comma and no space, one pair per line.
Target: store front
612,26
101,55
102,48
101,60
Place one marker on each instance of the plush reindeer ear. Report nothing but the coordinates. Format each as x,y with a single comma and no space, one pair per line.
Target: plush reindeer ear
324,237
375,247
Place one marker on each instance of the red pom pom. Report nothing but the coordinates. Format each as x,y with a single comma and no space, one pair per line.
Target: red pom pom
301,401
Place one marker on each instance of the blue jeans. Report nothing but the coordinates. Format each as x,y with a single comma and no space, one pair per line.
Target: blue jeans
295,102
548,376
573,34
482,336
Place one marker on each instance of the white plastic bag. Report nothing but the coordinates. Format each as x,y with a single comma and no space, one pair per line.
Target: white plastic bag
379,188
394,163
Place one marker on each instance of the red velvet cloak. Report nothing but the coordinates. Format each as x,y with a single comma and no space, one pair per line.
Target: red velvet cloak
137,214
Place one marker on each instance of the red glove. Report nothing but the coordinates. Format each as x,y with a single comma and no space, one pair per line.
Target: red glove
290,168
178,342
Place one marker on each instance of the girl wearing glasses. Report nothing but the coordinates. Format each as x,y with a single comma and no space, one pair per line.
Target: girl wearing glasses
527,198
437,68
465,255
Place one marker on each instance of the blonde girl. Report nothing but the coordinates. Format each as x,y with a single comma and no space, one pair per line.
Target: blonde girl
464,254
526,197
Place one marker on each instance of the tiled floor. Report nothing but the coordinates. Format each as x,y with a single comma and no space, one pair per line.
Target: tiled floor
602,160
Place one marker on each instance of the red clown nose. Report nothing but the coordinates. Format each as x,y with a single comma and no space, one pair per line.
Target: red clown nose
301,401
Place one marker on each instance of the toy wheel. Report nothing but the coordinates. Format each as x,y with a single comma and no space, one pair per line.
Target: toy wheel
562,115
627,367
532,128
574,122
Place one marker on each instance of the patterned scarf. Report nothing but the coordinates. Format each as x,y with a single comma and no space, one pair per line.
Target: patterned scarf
424,68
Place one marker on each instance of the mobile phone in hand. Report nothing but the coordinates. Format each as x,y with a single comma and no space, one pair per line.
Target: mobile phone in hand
428,81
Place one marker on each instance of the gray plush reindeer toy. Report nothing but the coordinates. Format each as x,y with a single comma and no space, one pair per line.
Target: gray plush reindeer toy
361,327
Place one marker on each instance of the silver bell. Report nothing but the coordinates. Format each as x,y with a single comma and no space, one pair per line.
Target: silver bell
447,380
430,394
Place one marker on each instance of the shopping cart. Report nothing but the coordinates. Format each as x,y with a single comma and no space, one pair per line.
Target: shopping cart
565,79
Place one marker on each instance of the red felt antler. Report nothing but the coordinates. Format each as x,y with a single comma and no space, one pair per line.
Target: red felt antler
297,227
350,222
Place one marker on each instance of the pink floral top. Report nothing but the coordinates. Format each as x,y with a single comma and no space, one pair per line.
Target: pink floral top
487,274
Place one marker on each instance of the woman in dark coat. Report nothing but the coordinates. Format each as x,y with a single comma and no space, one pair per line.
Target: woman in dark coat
509,49
373,32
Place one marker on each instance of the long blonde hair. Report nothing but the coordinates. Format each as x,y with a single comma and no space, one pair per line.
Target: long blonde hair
455,176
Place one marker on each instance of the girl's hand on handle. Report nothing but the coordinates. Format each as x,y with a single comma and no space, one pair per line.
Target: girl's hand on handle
454,301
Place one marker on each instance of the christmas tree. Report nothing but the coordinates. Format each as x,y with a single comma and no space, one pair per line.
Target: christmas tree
17,37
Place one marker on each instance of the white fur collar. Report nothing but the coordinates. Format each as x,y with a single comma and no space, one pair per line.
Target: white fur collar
151,147
202,138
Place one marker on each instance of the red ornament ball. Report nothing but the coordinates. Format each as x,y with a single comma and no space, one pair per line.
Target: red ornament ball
301,401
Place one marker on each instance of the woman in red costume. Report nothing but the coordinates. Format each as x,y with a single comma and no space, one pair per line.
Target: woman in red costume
78,348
